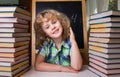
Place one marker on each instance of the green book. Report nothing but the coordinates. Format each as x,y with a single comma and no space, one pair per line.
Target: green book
9,2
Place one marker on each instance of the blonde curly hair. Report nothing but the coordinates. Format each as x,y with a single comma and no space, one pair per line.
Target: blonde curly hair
50,14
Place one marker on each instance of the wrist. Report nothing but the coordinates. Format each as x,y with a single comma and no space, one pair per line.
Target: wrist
60,67
73,42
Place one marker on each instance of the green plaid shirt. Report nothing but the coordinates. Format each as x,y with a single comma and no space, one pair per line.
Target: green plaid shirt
53,55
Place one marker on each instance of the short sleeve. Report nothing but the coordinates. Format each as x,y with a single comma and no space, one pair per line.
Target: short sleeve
70,52
69,44
43,49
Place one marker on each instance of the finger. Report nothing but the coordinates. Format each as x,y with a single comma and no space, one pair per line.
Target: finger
71,30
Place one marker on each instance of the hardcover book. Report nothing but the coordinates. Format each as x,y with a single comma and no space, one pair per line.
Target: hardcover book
12,30
6,59
105,60
104,50
17,72
14,63
105,25
13,40
105,65
102,74
14,14
105,71
14,9
106,19
12,50
12,55
13,20
14,25
105,45
104,55
14,67
15,34
105,14
111,30
16,44
105,40
106,34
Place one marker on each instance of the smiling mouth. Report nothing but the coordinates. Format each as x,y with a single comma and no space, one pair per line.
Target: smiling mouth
55,31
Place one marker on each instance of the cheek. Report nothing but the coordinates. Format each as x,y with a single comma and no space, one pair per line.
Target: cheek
59,25
61,28
47,32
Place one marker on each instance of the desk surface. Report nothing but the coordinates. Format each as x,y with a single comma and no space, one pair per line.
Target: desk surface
84,73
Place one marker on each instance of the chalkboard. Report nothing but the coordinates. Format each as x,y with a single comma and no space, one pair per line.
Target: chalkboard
73,9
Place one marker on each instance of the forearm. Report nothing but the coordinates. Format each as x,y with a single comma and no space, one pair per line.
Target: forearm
48,67
76,59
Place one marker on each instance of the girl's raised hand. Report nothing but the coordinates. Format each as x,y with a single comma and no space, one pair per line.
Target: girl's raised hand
72,36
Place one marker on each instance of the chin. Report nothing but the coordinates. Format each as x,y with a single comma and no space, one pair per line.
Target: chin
57,36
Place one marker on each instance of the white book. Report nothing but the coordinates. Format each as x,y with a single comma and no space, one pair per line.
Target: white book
105,40
104,45
11,64
104,55
12,40
104,60
102,74
4,73
12,30
105,25
107,19
105,71
13,50
13,20
105,50
105,14
14,44
4,59
15,34
105,65
103,30
14,9
15,25
14,14
108,35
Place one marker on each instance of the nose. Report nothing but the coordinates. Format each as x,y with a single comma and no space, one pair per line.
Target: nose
52,27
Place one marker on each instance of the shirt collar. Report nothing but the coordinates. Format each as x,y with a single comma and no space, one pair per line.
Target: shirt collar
64,44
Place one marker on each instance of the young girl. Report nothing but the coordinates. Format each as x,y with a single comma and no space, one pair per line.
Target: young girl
58,50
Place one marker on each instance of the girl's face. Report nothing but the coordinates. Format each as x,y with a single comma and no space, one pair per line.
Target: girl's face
53,29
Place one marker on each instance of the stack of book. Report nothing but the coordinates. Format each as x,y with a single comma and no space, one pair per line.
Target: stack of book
14,41
104,44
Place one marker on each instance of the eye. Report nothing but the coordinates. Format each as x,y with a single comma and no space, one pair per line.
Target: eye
54,21
47,26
